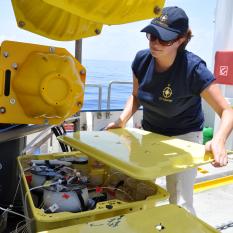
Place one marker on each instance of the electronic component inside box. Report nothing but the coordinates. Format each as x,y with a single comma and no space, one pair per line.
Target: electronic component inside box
59,188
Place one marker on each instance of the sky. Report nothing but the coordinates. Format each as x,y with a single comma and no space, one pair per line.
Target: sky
121,42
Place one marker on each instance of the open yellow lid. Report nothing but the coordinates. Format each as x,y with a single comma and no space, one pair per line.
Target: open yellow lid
140,154
75,19
52,22
167,218
111,12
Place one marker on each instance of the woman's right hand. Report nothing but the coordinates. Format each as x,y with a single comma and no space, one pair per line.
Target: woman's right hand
130,108
114,125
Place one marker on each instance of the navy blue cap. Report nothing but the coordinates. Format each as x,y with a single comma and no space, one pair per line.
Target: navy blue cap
172,23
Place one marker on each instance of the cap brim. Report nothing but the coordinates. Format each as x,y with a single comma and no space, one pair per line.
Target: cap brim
160,32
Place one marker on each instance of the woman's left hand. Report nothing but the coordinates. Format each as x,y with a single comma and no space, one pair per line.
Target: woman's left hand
218,150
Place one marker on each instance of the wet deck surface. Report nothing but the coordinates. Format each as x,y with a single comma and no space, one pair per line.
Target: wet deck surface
215,206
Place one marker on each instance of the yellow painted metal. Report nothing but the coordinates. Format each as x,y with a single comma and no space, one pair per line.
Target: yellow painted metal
76,19
46,84
42,221
214,183
52,22
168,218
201,170
111,12
138,153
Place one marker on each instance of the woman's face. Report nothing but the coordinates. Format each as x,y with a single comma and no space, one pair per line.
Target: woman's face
159,49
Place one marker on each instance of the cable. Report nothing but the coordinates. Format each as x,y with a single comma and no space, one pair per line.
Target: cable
21,227
13,212
63,146
59,130
41,205
12,205
63,128
37,187
16,191
62,133
17,228
112,188
111,175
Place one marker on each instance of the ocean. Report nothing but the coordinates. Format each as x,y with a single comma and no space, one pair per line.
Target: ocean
102,72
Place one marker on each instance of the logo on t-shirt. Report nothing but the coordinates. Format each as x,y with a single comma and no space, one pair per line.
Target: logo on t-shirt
166,94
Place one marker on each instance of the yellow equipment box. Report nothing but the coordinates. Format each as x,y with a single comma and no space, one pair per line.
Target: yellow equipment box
139,153
117,204
138,157
167,219
39,84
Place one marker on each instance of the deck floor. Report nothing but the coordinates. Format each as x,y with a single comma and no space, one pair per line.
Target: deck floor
215,206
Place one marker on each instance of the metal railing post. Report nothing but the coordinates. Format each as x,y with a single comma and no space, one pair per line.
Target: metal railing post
109,95
99,115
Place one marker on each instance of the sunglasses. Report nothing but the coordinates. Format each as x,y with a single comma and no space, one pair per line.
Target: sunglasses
153,38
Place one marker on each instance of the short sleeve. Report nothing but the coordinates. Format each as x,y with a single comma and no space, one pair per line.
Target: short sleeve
135,65
140,63
201,78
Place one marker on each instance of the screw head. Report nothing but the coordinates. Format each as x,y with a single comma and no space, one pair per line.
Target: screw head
97,31
82,72
159,227
2,110
12,101
157,10
52,49
14,65
79,104
21,24
5,54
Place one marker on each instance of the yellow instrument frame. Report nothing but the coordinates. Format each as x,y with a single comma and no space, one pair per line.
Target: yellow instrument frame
14,107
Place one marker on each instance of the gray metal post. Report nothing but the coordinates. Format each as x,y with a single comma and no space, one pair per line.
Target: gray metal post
78,56
78,50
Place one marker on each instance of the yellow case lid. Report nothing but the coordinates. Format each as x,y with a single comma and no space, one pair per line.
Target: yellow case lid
140,154
111,12
52,22
167,218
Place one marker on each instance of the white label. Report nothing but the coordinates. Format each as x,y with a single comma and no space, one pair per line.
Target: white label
54,207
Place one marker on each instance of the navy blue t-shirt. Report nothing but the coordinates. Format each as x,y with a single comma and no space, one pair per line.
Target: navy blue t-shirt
171,100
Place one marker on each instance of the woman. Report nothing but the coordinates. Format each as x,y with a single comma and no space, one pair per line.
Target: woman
169,82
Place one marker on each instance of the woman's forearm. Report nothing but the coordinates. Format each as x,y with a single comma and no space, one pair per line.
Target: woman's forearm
131,107
226,125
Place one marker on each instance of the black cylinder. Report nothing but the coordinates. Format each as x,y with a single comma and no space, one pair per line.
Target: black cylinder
8,169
